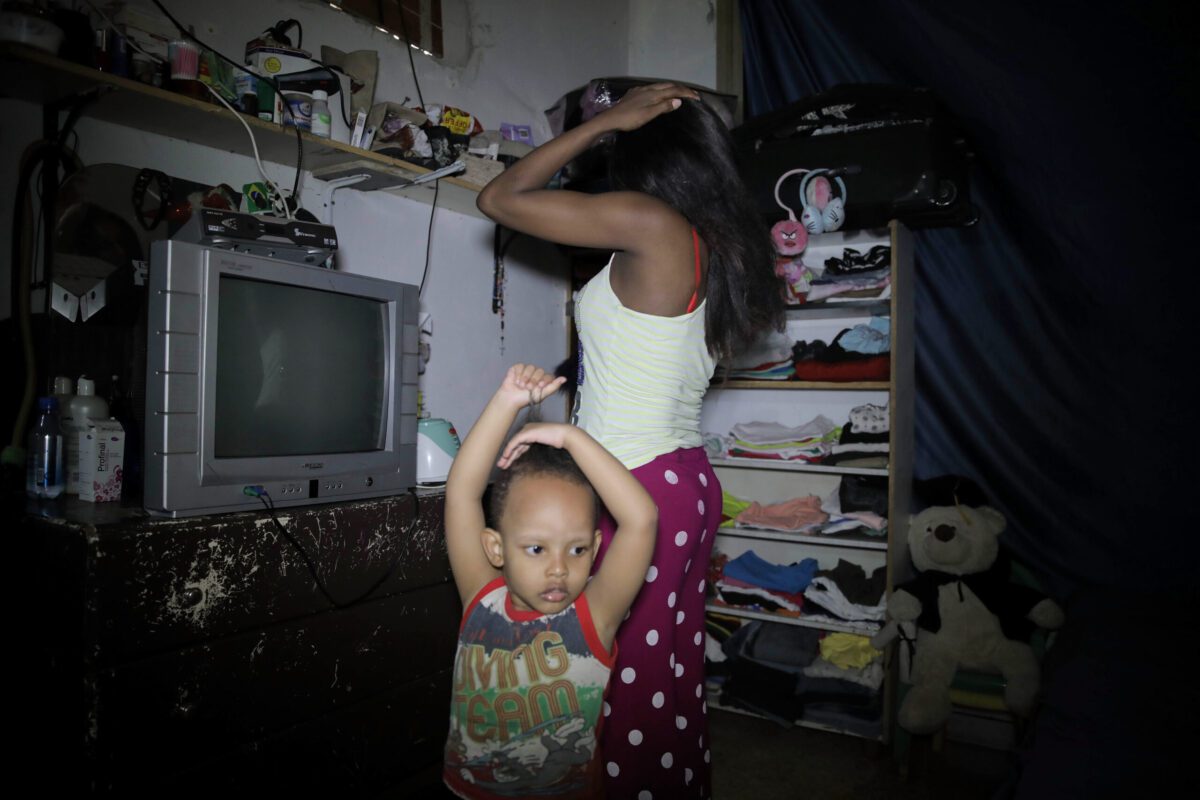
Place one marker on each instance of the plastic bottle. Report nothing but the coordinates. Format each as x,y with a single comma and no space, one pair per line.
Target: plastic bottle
44,453
83,406
122,409
321,120
64,390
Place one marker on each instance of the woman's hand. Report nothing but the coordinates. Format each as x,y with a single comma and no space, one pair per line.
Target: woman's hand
643,103
526,384
552,433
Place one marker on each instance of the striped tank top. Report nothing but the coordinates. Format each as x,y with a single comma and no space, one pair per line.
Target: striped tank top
641,377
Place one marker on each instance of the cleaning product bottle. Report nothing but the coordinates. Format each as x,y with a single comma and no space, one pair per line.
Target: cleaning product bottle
321,120
44,453
83,406
121,408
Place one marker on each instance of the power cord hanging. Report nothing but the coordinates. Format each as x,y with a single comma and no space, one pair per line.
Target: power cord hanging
265,497
274,85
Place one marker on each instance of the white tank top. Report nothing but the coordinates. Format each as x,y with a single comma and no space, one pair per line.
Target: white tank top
642,377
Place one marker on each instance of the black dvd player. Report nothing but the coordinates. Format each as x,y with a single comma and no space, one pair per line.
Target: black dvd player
272,237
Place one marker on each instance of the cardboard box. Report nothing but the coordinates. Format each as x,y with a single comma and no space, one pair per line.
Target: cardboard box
101,461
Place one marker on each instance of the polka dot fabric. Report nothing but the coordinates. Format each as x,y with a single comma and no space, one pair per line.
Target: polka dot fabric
654,738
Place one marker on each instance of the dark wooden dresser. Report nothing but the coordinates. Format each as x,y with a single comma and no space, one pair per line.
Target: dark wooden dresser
198,654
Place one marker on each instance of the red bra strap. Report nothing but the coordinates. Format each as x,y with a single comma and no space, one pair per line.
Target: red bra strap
696,294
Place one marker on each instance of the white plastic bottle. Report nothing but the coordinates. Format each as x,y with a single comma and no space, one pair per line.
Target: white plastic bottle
83,406
44,453
64,390
321,121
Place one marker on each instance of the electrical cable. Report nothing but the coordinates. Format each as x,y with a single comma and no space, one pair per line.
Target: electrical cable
265,498
274,85
254,146
437,187
437,184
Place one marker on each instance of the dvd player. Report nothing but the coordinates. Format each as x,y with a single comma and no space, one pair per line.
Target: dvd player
291,240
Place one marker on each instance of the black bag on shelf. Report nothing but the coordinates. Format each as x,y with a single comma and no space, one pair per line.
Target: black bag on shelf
900,154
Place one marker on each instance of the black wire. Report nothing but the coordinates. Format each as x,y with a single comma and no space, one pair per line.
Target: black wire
411,64
437,187
437,183
312,570
274,84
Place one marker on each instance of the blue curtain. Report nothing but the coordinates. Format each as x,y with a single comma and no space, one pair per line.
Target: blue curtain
1051,351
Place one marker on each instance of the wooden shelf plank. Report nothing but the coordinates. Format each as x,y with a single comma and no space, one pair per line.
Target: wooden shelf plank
736,611
794,466
37,77
714,702
853,541
742,383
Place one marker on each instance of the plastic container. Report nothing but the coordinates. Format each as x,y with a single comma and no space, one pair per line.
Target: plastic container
321,123
64,390
83,406
44,454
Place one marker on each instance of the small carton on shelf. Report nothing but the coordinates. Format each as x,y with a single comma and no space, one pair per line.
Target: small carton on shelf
101,460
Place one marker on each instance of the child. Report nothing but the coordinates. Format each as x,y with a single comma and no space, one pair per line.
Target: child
692,279
536,644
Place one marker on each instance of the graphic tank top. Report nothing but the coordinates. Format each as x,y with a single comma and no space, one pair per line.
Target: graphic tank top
527,701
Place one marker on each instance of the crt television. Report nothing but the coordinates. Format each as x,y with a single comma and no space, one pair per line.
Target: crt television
269,376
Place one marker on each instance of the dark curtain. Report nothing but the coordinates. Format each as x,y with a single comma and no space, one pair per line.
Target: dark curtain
1052,350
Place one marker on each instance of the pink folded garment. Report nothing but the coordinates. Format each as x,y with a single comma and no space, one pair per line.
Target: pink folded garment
797,514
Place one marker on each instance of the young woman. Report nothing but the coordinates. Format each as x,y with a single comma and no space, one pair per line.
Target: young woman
691,278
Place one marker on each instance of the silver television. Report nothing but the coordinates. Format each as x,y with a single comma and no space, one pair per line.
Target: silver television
270,379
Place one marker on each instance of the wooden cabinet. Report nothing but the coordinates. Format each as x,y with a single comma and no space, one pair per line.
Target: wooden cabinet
793,403
197,654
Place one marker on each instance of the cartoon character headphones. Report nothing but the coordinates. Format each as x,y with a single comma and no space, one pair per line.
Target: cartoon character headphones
823,212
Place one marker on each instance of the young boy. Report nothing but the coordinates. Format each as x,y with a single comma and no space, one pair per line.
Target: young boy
536,645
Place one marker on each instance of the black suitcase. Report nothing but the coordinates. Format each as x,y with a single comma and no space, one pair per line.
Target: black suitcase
899,153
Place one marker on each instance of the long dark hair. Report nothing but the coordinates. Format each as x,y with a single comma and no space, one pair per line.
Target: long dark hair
685,158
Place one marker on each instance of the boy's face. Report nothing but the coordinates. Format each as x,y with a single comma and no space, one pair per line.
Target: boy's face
548,543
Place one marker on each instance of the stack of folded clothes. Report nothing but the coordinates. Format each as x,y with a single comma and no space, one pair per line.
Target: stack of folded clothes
769,358
847,594
809,442
749,580
854,276
790,673
860,353
864,441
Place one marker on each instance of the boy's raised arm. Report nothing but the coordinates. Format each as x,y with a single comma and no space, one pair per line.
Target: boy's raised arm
469,474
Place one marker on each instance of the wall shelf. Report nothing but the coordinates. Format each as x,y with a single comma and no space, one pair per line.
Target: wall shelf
37,77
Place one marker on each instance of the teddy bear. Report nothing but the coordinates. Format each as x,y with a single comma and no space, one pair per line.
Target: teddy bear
967,611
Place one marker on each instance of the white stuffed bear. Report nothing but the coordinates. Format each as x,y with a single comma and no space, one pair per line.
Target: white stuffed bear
967,611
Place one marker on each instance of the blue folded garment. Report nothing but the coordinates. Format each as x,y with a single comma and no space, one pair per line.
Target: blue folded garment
790,578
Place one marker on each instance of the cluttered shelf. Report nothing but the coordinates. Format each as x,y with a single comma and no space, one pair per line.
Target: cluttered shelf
36,77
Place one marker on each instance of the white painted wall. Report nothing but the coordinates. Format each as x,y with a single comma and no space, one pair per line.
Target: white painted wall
520,57
676,40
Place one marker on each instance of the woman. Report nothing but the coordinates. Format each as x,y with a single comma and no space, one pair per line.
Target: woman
691,278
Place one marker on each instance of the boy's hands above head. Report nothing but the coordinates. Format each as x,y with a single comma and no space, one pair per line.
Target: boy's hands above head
526,384
552,433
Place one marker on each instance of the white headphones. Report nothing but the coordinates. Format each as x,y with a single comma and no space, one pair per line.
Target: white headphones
823,212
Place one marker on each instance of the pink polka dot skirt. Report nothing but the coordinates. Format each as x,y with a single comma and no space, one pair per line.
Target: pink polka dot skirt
654,737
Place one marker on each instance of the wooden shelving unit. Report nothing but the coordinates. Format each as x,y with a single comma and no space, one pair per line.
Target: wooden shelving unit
37,77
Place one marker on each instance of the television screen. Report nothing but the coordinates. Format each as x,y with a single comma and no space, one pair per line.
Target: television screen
288,356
